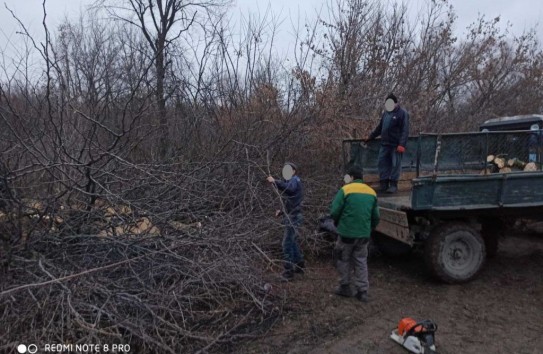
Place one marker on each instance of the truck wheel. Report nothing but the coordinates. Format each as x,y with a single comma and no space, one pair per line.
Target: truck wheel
455,253
391,247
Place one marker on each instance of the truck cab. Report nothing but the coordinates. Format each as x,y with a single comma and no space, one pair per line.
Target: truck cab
532,122
522,122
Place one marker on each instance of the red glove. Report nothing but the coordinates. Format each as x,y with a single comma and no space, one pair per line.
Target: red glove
400,149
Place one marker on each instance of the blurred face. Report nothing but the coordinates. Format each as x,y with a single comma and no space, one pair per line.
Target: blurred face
348,179
389,105
288,172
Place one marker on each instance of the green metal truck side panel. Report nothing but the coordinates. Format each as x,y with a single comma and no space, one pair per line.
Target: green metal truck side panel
449,167
520,189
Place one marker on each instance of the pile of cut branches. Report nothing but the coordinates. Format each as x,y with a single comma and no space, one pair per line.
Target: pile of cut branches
174,293
198,284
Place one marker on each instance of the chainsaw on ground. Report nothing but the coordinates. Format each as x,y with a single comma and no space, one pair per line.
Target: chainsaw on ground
416,337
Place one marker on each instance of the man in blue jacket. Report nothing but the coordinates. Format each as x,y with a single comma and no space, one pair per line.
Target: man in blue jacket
291,190
394,131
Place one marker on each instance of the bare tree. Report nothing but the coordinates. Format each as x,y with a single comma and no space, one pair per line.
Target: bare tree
162,22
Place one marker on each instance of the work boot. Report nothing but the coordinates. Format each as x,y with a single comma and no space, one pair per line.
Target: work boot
383,186
393,188
362,296
287,276
343,290
299,267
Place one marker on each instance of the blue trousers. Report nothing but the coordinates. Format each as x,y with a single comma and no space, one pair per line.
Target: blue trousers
389,163
291,250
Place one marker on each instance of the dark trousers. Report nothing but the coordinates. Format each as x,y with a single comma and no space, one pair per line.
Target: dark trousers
352,257
389,163
292,253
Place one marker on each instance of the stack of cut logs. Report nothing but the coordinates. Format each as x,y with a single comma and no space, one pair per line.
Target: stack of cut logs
502,165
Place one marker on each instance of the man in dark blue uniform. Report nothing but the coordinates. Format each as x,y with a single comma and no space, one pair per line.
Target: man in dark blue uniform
394,131
291,190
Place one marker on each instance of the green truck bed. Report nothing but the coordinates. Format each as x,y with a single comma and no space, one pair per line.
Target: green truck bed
449,172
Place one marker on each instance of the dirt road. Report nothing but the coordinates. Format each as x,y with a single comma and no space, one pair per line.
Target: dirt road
499,312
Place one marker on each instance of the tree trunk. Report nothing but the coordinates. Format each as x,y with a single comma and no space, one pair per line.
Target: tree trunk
161,100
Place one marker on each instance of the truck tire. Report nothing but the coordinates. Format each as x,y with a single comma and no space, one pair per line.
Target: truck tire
391,247
455,252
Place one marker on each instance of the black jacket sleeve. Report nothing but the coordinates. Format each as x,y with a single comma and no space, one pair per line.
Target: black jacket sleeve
289,187
377,131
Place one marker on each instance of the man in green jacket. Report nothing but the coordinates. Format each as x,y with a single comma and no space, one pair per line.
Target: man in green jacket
356,214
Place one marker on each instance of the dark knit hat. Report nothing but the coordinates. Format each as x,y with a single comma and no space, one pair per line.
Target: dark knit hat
355,172
291,164
393,97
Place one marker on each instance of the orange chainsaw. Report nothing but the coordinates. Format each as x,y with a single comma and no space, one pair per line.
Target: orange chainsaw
416,337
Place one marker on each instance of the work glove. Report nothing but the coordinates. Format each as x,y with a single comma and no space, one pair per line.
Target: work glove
400,149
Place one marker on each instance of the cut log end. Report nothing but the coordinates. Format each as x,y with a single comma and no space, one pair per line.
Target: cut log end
530,166
500,162
516,163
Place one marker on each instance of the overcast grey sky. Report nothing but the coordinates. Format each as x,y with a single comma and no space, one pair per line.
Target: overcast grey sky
522,14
